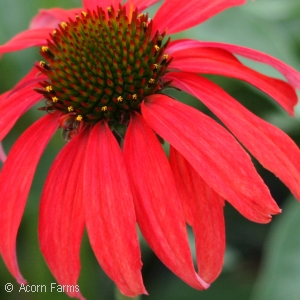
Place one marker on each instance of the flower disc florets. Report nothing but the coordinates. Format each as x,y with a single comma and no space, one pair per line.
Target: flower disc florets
101,65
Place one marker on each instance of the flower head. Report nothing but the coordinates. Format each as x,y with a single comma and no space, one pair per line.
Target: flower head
100,66
102,77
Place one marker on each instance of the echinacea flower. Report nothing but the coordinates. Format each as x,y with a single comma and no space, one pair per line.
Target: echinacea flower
103,77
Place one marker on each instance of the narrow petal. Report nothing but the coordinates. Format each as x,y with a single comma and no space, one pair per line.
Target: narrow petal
32,77
61,215
157,203
16,178
177,15
218,61
292,75
273,148
184,187
52,17
206,209
14,106
2,154
93,4
214,153
10,114
26,39
18,100
140,4
109,212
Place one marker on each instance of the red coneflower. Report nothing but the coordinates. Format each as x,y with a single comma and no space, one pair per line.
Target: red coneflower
103,76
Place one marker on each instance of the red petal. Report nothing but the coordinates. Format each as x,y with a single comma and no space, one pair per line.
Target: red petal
10,114
218,61
93,4
272,147
157,204
2,154
32,77
15,178
177,15
18,100
26,39
140,4
214,153
292,75
52,17
61,216
109,212
183,187
206,208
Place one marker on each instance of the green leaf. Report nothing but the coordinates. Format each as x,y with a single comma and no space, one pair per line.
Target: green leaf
279,276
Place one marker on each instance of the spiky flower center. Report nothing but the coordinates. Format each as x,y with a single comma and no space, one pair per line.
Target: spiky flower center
101,65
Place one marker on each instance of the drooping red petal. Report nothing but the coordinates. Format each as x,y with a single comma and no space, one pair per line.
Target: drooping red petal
214,153
109,212
32,77
272,147
26,39
217,61
2,154
12,114
157,203
15,181
292,75
18,100
52,17
61,215
206,208
140,4
177,15
93,4
183,188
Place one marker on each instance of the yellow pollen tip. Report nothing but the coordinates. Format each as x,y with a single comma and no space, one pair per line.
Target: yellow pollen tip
42,63
151,80
54,32
84,13
140,15
145,24
120,99
134,96
109,9
155,66
156,47
54,99
166,56
49,88
70,108
45,49
79,118
64,25
104,108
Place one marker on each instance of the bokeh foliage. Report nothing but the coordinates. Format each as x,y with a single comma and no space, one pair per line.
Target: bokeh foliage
271,26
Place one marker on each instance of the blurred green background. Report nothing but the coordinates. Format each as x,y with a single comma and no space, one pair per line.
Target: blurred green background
262,261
